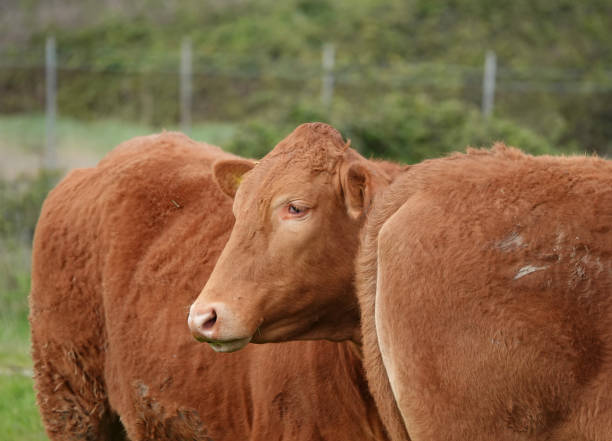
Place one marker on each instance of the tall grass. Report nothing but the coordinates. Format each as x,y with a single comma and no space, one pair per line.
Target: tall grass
14,288
19,417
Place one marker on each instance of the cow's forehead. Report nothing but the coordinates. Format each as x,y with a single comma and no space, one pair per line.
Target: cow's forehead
312,146
310,150
269,180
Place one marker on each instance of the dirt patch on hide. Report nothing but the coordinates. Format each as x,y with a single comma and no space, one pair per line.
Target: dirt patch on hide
161,424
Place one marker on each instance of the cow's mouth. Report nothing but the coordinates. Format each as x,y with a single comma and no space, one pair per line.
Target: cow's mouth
229,345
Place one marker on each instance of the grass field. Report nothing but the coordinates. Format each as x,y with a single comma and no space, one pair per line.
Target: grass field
79,143
21,148
19,418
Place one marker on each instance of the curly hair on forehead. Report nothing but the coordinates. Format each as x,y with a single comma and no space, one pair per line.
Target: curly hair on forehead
316,146
313,147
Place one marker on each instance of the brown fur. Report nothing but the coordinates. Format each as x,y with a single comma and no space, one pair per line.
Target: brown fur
297,284
278,291
494,305
120,252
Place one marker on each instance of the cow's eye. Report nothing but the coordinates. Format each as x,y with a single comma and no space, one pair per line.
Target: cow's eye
294,211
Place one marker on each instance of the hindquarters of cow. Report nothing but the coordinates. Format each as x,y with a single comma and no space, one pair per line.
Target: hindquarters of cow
493,319
67,324
95,228
366,274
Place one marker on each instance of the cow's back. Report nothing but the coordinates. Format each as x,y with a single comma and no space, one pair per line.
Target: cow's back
492,305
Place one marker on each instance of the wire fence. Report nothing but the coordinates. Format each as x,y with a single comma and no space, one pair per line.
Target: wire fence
184,87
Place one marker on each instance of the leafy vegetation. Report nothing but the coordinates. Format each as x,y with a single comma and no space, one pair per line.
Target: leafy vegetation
407,129
256,61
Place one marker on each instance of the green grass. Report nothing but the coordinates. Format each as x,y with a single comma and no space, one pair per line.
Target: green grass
15,342
19,418
14,288
81,143
27,132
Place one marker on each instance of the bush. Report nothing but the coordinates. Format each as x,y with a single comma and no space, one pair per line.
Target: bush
250,57
414,128
407,129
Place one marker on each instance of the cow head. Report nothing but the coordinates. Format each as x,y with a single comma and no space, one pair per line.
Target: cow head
287,271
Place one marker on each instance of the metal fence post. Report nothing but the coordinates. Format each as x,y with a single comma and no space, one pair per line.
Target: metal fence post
488,83
50,154
185,85
327,87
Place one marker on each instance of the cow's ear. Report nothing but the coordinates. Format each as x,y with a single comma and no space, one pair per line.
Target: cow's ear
228,174
358,186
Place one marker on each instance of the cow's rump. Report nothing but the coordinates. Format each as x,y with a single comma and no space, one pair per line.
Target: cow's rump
492,304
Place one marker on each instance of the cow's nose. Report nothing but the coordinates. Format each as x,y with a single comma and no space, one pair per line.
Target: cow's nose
202,323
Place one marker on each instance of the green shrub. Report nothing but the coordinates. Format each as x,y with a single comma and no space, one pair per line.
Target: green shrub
261,57
407,129
414,128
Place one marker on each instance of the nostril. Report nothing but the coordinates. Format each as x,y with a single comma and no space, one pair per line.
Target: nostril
211,320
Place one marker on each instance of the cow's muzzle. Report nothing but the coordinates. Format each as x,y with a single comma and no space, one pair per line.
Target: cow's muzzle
217,325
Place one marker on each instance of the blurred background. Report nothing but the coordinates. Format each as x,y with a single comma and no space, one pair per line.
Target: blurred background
404,80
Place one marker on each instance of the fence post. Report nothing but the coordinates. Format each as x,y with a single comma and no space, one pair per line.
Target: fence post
488,83
185,85
50,155
327,87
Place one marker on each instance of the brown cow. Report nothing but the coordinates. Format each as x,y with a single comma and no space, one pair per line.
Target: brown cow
120,251
304,196
287,271
489,278
493,307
